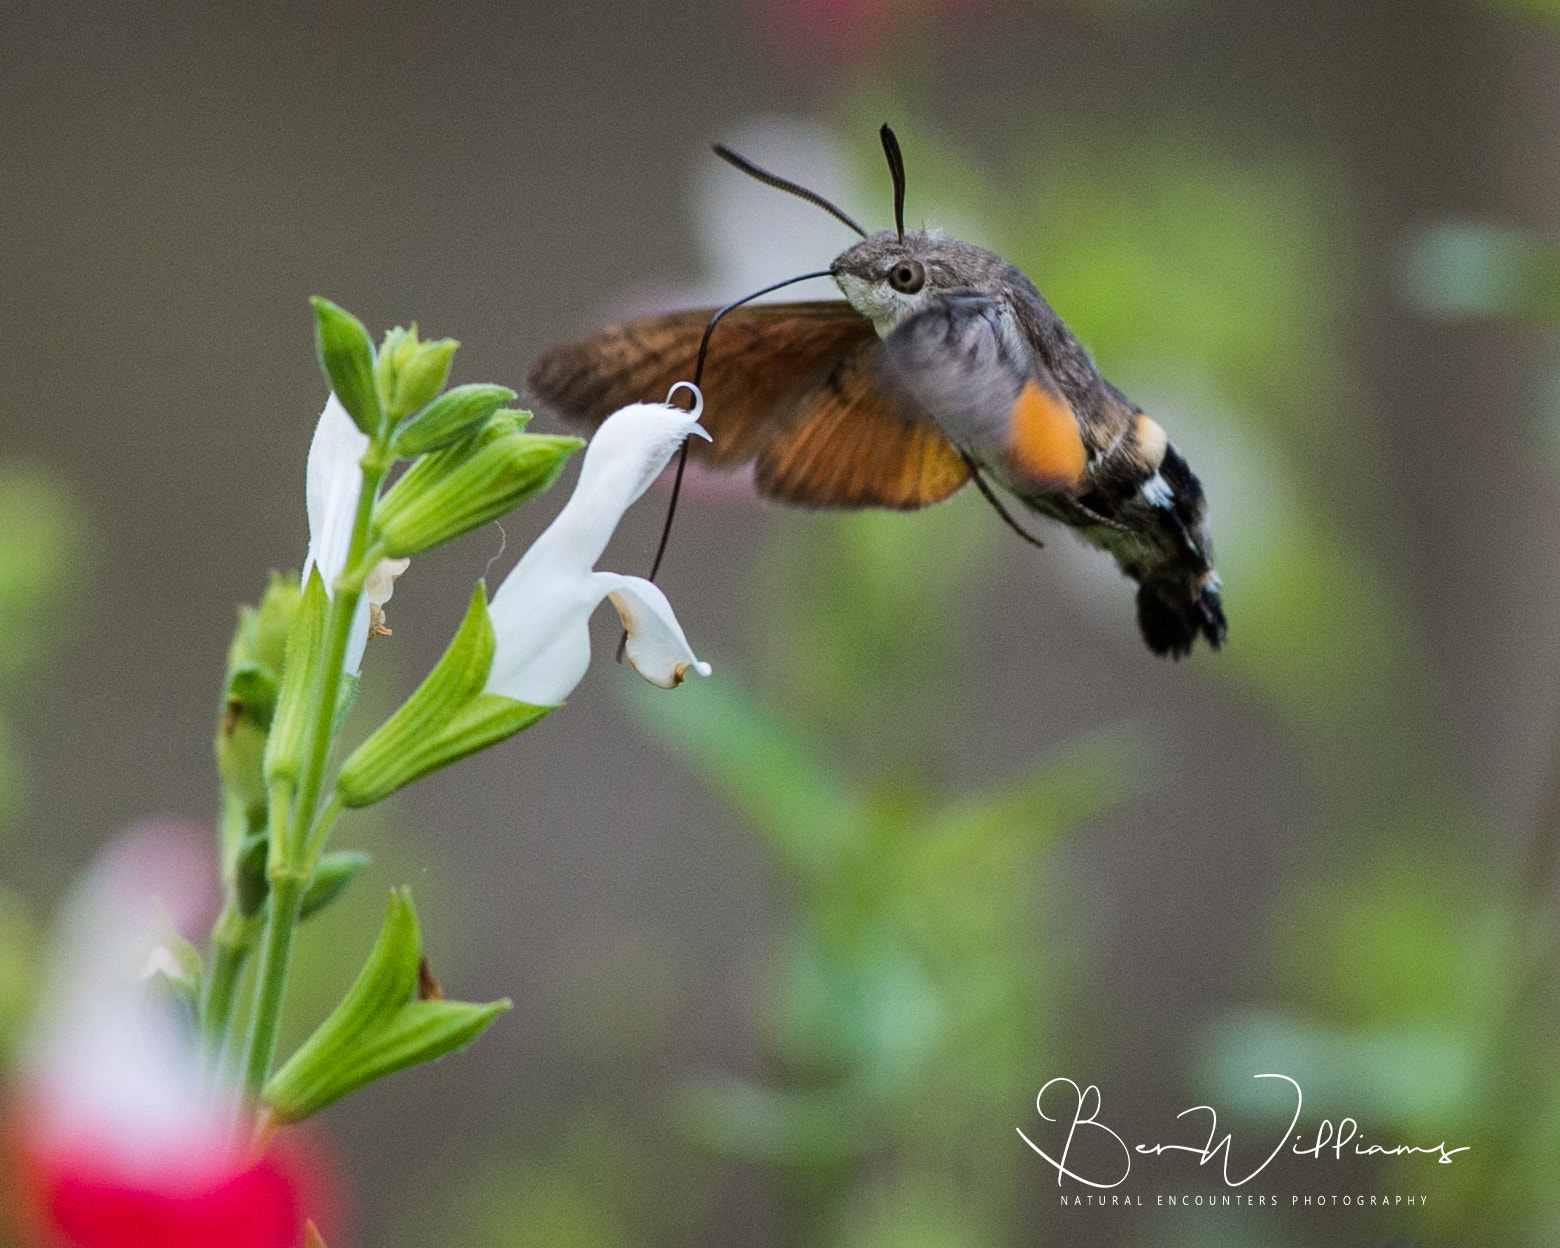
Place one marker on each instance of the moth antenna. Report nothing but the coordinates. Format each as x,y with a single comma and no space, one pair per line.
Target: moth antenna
783,184
896,169
682,455
996,503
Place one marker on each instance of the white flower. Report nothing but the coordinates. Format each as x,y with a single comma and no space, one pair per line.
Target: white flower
540,613
333,481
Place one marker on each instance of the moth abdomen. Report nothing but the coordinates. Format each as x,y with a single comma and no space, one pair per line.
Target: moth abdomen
1174,610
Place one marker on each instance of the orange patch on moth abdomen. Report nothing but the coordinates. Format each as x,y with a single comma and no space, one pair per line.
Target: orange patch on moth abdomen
1044,444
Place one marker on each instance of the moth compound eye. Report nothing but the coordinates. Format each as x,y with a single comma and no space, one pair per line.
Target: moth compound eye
907,277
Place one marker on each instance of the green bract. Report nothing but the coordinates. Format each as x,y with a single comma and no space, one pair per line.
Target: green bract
450,418
332,874
347,357
380,1026
447,718
454,491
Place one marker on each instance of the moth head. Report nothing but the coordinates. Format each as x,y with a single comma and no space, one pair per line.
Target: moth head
887,277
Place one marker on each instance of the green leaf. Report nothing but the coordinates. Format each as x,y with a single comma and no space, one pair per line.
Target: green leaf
451,418
346,698
1080,781
346,355
762,767
378,1028
446,718
332,874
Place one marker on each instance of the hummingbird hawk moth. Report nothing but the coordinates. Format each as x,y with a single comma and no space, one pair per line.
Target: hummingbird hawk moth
942,365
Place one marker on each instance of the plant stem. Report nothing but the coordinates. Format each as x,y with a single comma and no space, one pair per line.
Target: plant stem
231,938
323,826
271,982
338,629
293,851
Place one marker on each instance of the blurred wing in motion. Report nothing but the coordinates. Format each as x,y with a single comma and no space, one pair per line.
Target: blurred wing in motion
794,385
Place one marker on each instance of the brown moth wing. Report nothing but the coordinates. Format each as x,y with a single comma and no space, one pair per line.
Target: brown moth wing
759,357
851,442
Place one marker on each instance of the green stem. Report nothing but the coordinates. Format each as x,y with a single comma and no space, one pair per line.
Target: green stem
293,850
338,633
271,981
322,828
232,937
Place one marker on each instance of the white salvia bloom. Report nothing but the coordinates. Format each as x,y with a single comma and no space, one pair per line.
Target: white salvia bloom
334,479
540,613
377,590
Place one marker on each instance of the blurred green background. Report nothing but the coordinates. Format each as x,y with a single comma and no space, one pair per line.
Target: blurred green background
794,949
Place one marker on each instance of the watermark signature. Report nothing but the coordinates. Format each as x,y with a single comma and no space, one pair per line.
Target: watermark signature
1108,1152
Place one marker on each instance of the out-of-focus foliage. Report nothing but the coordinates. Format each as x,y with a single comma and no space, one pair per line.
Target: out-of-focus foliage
1539,10
42,548
604,1176
912,995
42,564
1417,988
1421,1002
1465,269
911,998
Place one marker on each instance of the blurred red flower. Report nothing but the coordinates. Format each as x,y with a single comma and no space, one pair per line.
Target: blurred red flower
87,1198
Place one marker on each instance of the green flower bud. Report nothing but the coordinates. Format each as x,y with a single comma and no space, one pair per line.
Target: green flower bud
254,672
261,637
248,702
379,1027
347,359
445,719
409,374
454,491
332,874
451,418
305,651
